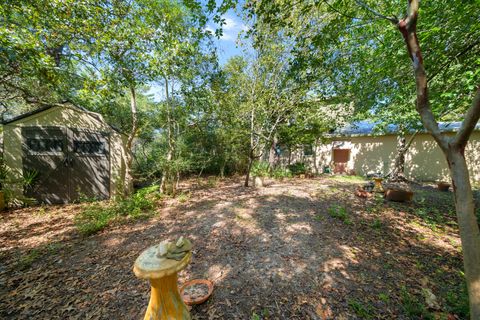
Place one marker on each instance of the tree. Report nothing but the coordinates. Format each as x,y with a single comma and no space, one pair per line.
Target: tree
342,35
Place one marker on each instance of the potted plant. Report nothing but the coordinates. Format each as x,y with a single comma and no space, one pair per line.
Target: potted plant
443,186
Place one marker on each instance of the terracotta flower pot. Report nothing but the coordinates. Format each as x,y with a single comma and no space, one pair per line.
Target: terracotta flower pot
189,300
398,195
361,193
443,186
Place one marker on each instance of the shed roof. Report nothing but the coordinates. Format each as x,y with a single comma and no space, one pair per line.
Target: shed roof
70,106
367,128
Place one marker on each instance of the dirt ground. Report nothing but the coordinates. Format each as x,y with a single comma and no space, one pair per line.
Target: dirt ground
279,252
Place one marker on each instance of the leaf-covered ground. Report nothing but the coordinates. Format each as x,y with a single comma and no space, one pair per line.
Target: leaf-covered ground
297,249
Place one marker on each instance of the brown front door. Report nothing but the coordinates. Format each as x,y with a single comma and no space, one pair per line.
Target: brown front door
340,160
69,164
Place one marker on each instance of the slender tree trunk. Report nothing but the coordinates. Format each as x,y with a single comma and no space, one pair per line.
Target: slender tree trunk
272,154
222,168
289,155
166,185
251,151
249,168
454,149
398,172
315,165
468,225
133,132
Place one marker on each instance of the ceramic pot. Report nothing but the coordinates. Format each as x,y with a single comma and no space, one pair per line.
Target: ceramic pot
398,195
443,186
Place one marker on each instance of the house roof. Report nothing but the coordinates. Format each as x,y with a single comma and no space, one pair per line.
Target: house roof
366,128
71,106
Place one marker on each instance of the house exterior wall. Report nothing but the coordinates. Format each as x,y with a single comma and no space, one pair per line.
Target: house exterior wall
424,160
70,118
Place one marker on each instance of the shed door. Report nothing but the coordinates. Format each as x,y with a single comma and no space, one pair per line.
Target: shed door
45,153
69,163
340,160
89,164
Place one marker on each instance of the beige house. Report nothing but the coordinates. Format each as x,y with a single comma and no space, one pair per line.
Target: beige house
361,151
71,153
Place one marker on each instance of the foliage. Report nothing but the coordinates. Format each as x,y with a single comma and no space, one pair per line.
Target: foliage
260,169
297,168
364,311
95,217
340,212
413,307
281,173
457,301
4,174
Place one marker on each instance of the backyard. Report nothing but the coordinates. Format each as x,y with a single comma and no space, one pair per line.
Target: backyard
295,249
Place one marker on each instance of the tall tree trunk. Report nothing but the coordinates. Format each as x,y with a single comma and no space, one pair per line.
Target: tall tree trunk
398,172
468,225
251,151
133,132
399,165
222,168
166,184
315,165
249,168
453,149
272,153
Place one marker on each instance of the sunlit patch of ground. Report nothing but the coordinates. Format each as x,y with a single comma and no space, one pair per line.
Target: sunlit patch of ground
296,249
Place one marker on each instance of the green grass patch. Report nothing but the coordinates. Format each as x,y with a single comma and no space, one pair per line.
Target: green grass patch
413,307
96,217
183,197
456,300
364,311
26,261
351,179
339,212
376,224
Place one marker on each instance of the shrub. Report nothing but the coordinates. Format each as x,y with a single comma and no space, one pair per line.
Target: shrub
260,169
297,168
95,217
281,173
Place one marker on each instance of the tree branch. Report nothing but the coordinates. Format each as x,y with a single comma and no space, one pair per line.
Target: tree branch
468,125
393,20
412,14
448,62
408,29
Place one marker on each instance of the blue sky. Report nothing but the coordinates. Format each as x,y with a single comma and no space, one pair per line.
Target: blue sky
227,45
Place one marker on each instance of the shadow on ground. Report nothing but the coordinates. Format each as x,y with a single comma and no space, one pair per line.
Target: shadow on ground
286,251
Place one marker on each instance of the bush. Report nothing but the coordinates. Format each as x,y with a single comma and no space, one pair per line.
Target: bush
297,168
260,169
95,217
281,173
